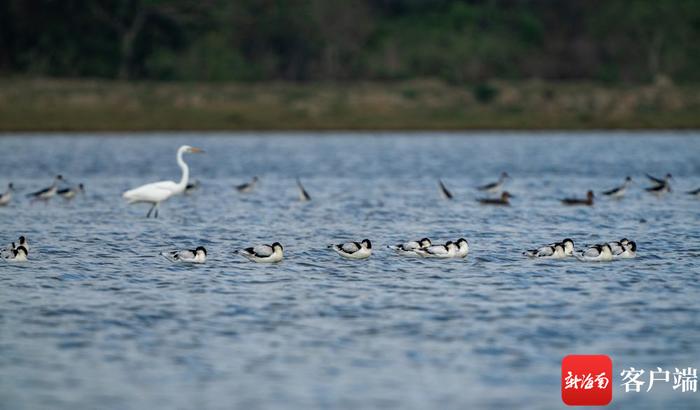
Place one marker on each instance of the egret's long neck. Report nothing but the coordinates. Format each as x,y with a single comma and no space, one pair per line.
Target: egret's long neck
185,171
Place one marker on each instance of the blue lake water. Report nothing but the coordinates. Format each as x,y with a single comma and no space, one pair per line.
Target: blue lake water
96,319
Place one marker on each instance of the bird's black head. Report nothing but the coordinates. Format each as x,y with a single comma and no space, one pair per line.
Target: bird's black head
22,240
367,243
628,179
59,177
277,245
567,240
10,186
201,248
589,194
81,186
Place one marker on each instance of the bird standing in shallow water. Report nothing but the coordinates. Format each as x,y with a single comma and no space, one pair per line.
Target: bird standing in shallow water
503,200
72,192
578,201
157,192
494,187
619,192
247,187
661,186
6,196
46,193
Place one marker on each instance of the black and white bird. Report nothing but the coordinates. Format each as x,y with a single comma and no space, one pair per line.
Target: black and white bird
588,201
353,250
494,187
409,248
595,253
198,255
6,196
71,192
263,253
629,252
192,186
619,192
660,186
443,189
18,254
448,250
618,246
22,241
462,248
504,200
557,250
695,192
303,195
48,192
248,186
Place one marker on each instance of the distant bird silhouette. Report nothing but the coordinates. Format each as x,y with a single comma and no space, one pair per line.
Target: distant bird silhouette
661,185
495,186
248,186
619,192
579,201
445,192
6,196
503,200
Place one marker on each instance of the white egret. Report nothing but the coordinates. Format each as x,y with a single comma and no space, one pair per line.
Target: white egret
157,192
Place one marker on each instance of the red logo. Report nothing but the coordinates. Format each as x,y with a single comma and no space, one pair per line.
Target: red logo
586,380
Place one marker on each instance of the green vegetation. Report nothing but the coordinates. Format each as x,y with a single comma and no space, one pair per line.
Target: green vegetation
457,41
355,64
81,105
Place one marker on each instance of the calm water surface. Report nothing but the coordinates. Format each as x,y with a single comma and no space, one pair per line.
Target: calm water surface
97,319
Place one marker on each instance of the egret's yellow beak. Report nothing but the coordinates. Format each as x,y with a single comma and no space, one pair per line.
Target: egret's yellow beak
195,150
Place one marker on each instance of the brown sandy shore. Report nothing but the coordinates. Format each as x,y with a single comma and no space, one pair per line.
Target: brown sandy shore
97,105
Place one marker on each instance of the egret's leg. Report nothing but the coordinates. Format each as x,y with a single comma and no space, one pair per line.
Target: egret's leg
157,207
148,215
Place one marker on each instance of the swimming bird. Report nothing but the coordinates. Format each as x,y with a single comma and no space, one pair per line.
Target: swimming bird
556,250
660,185
448,250
263,253
695,192
198,255
619,192
191,186
462,248
6,196
445,192
494,187
70,193
303,195
46,193
157,192
354,250
409,248
19,254
595,253
629,250
247,187
503,200
618,246
578,201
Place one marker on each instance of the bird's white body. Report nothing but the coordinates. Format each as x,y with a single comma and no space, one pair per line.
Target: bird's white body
620,191
354,250
157,192
462,248
47,193
264,253
596,253
557,250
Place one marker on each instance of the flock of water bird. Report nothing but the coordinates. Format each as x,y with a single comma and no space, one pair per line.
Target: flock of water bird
155,193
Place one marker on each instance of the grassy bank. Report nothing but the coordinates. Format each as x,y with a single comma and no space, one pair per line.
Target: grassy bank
85,105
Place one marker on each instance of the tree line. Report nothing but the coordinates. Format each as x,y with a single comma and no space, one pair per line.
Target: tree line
459,41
